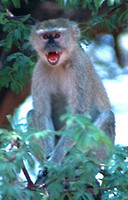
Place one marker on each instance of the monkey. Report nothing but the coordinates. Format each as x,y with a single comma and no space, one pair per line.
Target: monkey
65,77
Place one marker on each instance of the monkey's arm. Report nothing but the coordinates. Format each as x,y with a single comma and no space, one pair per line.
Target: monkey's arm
46,143
41,114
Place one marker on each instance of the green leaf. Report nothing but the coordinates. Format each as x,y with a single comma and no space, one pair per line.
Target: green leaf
9,42
16,3
6,3
26,17
36,150
96,2
28,157
17,34
111,2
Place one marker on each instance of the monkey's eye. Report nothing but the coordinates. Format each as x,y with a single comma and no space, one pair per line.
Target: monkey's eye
57,35
45,36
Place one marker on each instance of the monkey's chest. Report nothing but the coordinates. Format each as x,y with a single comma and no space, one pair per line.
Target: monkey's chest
58,83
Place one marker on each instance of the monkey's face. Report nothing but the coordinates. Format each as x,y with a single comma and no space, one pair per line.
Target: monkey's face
55,40
52,46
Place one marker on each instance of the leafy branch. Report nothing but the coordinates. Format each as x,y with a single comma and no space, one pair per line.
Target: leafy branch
75,179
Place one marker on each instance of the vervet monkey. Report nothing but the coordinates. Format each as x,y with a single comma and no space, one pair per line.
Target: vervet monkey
64,76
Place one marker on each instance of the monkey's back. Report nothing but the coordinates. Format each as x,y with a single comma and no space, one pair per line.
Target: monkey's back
93,93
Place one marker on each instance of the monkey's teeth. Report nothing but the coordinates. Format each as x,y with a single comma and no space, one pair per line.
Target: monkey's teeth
53,57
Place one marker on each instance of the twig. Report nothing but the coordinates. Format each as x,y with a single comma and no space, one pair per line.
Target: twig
29,181
9,13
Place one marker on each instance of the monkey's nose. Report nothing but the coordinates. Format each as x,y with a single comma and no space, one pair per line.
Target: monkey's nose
50,45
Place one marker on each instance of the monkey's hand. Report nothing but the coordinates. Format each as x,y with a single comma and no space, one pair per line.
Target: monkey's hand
42,176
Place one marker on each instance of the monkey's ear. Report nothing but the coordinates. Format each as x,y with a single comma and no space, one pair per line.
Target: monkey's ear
76,30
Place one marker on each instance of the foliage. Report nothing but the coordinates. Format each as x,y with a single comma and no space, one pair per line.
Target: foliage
117,179
21,62
18,64
12,159
74,177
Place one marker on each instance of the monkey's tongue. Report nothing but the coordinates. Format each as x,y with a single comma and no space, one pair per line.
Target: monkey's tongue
53,57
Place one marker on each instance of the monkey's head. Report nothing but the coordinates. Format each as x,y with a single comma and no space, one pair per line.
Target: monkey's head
55,40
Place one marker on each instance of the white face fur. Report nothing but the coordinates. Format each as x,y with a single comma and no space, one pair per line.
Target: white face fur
41,31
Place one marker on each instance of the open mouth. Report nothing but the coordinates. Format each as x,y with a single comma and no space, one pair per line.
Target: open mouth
53,57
